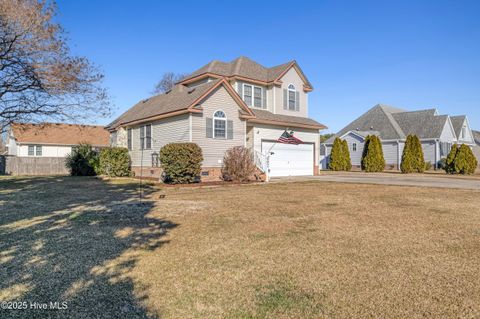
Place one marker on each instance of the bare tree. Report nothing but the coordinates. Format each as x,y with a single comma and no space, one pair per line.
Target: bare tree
39,78
167,82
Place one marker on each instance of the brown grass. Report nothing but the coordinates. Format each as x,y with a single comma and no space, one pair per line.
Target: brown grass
302,250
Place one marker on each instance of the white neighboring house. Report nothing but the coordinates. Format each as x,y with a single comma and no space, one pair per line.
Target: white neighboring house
436,132
476,148
222,105
52,139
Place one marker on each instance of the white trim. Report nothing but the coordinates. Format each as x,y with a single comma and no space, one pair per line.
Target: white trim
219,119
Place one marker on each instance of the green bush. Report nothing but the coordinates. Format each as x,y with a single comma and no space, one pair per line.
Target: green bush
372,156
465,161
442,164
114,162
181,162
347,162
460,160
413,160
238,164
82,161
337,160
428,166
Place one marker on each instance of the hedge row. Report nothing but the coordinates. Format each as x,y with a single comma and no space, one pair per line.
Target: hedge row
460,160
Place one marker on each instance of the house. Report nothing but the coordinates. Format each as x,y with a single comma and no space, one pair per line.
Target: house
222,105
52,139
476,148
437,134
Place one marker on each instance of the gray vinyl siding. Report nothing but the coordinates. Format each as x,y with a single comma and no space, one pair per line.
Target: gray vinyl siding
169,130
291,77
390,153
214,149
429,151
356,157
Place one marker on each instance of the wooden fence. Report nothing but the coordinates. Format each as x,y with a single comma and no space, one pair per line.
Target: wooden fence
13,165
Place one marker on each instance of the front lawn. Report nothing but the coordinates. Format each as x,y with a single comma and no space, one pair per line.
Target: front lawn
283,250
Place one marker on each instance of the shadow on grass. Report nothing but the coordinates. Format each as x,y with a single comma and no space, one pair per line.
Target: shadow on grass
74,240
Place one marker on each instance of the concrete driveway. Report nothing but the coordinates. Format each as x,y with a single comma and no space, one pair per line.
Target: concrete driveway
441,181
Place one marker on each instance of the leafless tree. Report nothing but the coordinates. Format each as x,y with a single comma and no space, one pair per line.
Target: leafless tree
39,78
167,82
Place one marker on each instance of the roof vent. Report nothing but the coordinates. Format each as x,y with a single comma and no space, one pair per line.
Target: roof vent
145,100
191,90
371,127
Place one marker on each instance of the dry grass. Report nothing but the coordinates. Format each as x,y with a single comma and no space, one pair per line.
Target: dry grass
302,250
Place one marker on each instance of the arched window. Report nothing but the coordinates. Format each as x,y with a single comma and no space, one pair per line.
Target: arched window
219,124
291,97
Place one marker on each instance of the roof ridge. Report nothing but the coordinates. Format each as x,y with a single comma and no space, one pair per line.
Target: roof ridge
393,122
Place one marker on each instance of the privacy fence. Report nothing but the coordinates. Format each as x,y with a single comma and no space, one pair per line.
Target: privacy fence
12,165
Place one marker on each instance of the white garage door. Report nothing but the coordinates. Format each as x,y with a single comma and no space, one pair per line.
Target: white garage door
289,159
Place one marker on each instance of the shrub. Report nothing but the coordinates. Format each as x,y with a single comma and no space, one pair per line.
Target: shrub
465,161
412,157
82,161
428,166
372,158
114,162
337,160
450,160
346,156
442,163
238,164
181,162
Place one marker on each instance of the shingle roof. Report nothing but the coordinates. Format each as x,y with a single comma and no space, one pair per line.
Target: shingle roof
245,67
476,136
268,116
179,98
60,134
394,123
457,122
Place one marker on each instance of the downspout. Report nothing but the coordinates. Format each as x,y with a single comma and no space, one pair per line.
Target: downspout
436,154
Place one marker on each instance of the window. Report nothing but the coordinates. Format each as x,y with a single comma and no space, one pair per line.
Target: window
31,150
38,150
354,147
247,94
464,132
256,97
34,150
219,125
146,137
129,139
291,97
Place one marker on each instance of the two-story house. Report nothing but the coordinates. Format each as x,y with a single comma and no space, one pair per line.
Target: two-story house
221,105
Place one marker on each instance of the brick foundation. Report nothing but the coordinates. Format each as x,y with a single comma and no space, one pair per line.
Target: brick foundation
208,174
149,172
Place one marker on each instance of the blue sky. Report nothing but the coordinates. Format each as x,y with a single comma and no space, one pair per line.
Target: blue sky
410,54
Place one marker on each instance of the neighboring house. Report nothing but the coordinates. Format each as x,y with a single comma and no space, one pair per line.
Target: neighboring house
52,139
222,105
476,148
436,132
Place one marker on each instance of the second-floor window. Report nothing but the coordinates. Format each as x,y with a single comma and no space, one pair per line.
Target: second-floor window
354,147
252,95
291,97
463,135
146,137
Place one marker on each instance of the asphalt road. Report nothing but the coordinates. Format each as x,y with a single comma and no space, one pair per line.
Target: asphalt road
441,181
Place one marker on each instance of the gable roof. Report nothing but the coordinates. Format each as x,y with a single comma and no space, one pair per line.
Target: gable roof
457,122
394,123
247,68
60,134
180,99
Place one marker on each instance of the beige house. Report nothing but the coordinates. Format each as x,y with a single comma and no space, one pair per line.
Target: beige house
52,139
226,104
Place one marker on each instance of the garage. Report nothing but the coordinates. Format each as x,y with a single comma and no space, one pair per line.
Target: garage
289,159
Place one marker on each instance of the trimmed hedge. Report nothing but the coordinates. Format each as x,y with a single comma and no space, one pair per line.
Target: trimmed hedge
82,161
181,163
336,156
114,162
372,157
346,156
449,166
413,160
238,164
